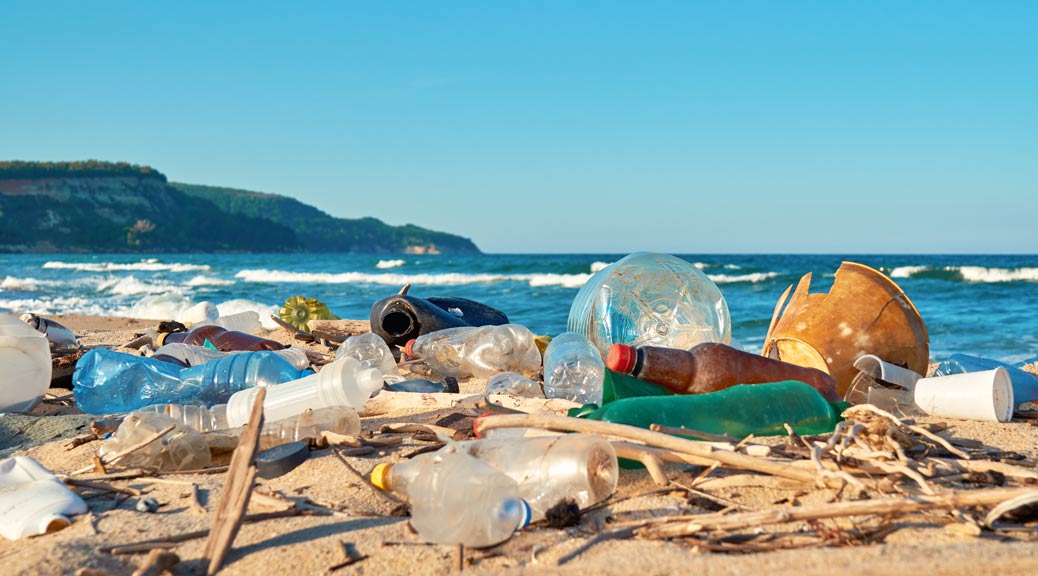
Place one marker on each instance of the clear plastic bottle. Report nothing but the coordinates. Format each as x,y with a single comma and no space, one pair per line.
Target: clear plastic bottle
192,355
372,352
573,369
513,384
478,351
548,469
25,365
650,299
344,382
108,382
181,449
310,424
62,340
456,499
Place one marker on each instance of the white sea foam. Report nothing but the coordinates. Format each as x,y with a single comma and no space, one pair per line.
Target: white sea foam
992,275
907,271
148,265
384,264
27,284
732,279
58,305
201,280
732,266
156,306
447,279
596,266
130,286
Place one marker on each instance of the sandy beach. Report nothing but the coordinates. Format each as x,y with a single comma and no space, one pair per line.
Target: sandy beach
936,542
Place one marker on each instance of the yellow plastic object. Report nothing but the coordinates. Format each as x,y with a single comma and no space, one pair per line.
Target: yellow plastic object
542,343
380,476
299,311
864,312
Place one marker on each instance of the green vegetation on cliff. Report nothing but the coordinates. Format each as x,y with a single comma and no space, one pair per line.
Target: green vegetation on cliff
98,206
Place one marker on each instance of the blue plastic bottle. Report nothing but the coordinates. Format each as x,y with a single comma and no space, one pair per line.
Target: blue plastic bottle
108,382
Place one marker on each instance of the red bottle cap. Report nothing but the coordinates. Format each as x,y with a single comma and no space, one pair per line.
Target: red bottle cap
407,348
475,423
621,358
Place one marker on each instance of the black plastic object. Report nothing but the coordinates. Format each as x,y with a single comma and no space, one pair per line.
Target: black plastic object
400,317
281,460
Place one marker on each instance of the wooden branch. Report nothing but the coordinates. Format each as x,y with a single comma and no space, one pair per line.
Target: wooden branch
157,562
119,456
680,445
237,489
398,428
647,456
678,527
100,486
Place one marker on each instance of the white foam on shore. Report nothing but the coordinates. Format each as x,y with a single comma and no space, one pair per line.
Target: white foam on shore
448,279
907,271
27,284
754,277
994,275
56,305
384,264
148,265
201,280
130,286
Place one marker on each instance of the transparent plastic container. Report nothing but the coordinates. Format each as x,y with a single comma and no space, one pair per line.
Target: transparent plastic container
372,352
457,499
344,382
513,384
108,382
573,369
548,469
478,351
32,499
183,448
25,365
650,299
196,355
310,424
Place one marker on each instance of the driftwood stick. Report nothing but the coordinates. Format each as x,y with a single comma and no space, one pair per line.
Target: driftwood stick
100,486
649,458
119,456
688,432
157,562
678,527
237,489
565,424
404,428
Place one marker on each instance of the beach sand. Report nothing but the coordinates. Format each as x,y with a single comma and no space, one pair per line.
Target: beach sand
917,544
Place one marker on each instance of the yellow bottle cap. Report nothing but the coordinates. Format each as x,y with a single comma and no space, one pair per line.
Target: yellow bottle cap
380,476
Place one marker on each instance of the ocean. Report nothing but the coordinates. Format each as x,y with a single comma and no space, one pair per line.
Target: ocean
980,305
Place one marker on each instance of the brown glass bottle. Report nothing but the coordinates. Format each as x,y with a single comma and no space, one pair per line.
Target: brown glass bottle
710,367
224,340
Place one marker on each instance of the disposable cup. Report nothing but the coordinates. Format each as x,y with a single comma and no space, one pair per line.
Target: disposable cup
984,396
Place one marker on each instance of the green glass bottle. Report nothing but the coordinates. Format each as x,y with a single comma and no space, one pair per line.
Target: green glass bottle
616,386
758,409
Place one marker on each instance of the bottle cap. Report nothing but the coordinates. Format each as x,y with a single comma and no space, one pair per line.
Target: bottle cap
527,515
475,423
281,460
380,476
621,358
407,348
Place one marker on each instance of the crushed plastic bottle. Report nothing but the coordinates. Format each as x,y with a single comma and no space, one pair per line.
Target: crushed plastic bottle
108,382
548,469
573,369
344,382
191,355
25,365
372,352
478,351
309,424
183,448
457,499
32,499
513,384
650,299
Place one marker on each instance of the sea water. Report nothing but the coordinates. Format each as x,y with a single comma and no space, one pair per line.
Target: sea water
979,305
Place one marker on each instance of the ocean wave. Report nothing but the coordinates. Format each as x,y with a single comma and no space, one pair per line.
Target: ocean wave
149,265
384,264
995,275
596,266
446,279
130,286
752,278
201,280
908,271
27,284
59,305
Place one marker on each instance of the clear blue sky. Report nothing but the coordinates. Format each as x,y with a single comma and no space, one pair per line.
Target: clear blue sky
562,126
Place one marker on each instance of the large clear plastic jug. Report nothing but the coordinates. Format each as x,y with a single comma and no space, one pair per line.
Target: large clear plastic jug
650,299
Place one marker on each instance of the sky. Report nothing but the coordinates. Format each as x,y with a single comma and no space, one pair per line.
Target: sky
606,127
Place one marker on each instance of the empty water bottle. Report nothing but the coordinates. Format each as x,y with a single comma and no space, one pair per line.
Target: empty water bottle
513,384
183,448
573,369
372,352
107,382
478,351
457,499
650,299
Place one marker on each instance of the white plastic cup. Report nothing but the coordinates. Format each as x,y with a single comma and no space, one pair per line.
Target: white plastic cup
25,365
986,396
342,383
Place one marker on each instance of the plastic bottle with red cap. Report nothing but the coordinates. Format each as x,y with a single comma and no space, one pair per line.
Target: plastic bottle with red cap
710,367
